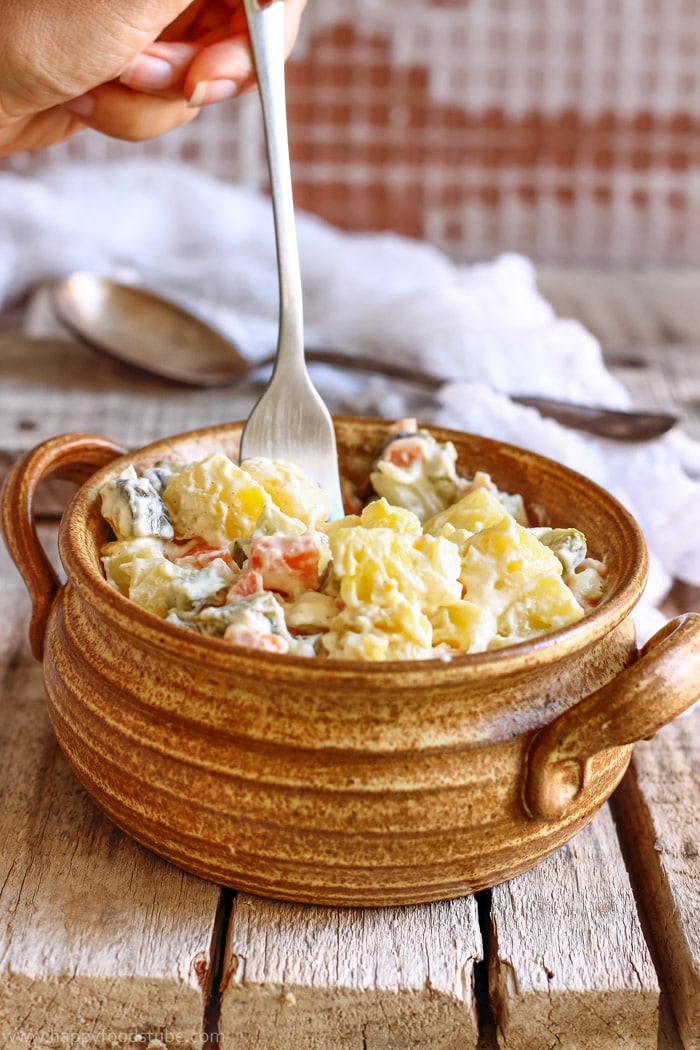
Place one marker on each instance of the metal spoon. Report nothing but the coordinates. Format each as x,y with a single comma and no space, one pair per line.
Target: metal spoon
156,336
290,420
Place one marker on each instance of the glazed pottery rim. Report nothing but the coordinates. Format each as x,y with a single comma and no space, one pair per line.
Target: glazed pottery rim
87,576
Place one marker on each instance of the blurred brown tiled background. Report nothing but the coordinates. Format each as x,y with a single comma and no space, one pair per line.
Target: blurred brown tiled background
566,129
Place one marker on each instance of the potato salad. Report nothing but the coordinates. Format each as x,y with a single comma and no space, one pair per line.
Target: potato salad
426,564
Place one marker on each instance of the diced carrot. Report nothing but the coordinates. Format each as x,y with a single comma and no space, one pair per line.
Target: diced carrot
288,564
405,452
200,553
249,582
404,426
593,563
237,634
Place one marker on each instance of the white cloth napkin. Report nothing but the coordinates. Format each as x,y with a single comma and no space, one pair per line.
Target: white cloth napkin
211,245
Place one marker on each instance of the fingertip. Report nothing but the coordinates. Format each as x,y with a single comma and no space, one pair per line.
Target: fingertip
81,107
227,60
294,10
207,92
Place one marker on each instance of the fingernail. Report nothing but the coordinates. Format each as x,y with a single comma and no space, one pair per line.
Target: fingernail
148,72
83,106
208,91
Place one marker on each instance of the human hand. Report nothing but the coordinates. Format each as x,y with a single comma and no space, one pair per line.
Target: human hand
132,69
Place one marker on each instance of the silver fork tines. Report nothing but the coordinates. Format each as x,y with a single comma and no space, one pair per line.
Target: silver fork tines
290,420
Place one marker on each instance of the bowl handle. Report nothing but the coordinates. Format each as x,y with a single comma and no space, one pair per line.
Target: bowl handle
661,684
72,457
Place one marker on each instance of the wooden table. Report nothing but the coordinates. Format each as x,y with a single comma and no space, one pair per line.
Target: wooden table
104,945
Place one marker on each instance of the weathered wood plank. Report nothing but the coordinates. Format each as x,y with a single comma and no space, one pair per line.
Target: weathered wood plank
625,307
569,966
99,940
653,315
50,387
658,812
351,979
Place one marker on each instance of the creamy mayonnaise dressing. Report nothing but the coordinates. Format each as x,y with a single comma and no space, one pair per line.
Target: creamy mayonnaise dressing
434,565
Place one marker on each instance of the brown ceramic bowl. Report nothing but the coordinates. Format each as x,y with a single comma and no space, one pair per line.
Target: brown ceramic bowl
336,782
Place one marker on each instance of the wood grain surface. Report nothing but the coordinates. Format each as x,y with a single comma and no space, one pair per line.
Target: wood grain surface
569,964
351,979
100,941
98,938
658,814
648,324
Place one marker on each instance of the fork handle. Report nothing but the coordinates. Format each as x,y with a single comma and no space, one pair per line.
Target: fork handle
266,28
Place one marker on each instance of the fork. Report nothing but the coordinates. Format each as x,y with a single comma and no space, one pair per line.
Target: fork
290,420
